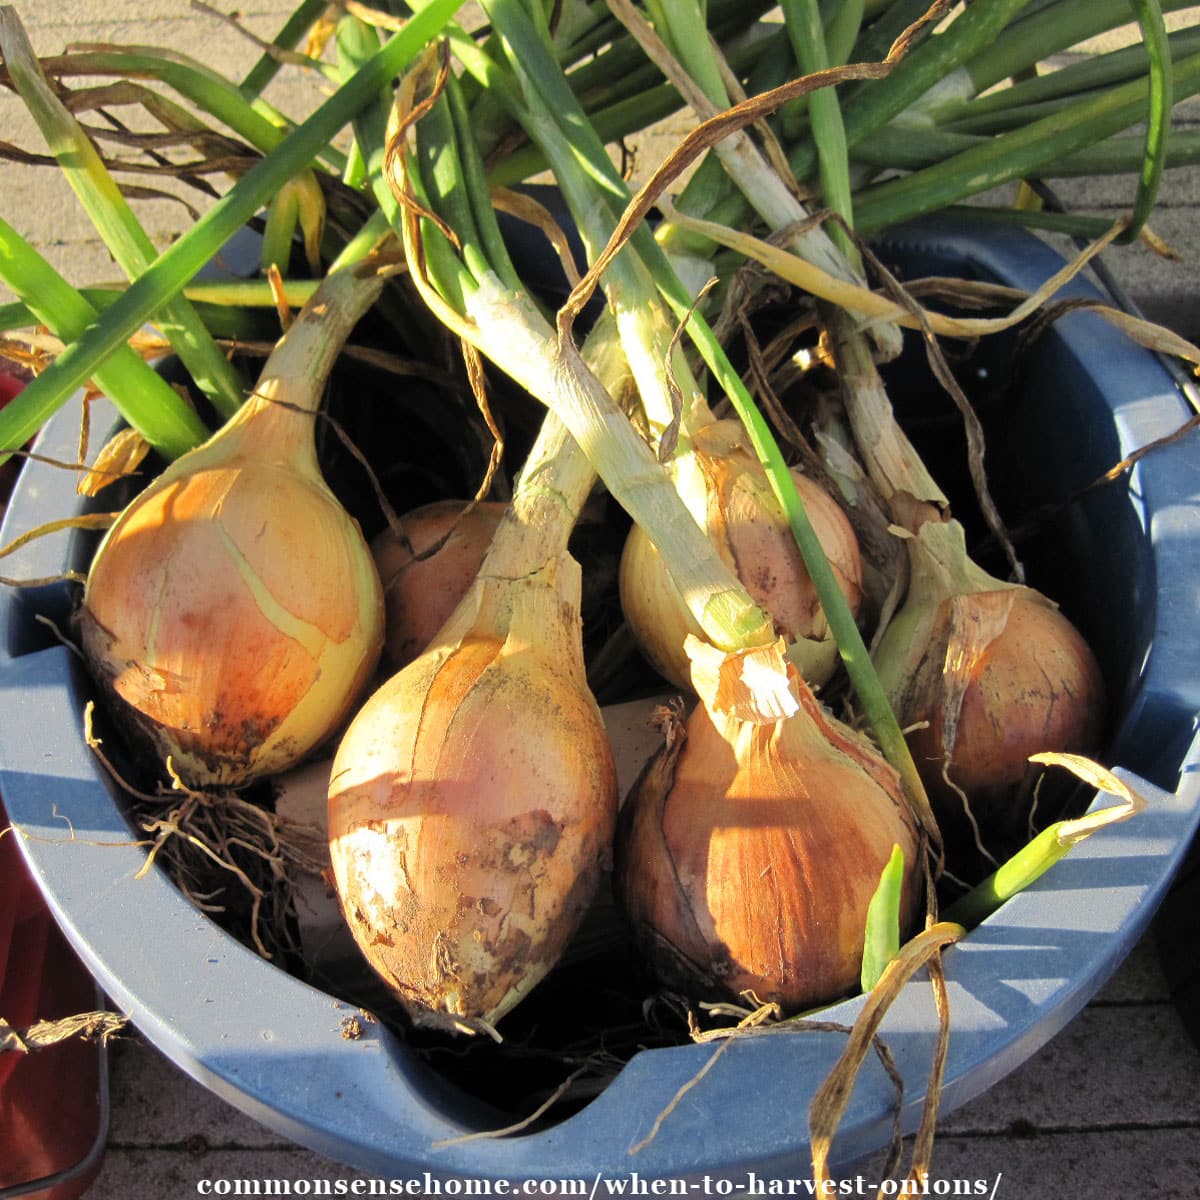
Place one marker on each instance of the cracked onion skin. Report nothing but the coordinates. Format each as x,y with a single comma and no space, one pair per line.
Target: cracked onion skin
747,855
471,808
748,528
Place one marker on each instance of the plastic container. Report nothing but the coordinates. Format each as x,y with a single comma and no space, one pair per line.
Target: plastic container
1125,562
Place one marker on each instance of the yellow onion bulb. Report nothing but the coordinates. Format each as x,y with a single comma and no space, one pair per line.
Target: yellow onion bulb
748,528
232,615
421,589
747,855
471,809
1011,677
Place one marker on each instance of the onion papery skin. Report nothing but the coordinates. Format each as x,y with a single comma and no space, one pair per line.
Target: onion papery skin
748,528
233,616
1034,686
419,592
747,856
471,811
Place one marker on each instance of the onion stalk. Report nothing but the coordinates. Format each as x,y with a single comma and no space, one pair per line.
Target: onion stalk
645,335
491,310
563,131
294,28
701,453
223,303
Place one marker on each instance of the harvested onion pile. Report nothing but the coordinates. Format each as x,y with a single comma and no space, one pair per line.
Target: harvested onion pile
233,617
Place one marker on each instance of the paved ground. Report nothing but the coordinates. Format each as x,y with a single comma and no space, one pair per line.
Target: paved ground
1113,1103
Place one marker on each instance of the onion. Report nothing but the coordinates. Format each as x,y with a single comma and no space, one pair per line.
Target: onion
735,503
747,854
987,673
471,809
473,797
232,614
420,589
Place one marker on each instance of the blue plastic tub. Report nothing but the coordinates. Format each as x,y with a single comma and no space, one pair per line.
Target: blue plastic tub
1125,562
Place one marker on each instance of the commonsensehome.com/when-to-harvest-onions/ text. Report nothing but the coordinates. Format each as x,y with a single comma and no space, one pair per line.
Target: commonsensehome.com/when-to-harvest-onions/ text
603,1186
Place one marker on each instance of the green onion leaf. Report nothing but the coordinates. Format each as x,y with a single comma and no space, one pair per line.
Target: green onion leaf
140,394
177,264
1158,121
110,213
882,938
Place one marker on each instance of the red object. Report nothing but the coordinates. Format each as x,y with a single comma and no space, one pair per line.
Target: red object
50,1108
10,385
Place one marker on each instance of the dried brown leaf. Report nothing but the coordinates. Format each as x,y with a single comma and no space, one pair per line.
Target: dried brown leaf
829,1102
120,456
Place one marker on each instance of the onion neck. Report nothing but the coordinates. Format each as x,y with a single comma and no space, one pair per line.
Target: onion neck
892,462
276,422
647,340
554,483
529,546
941,566
556,477
940,569
528,588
